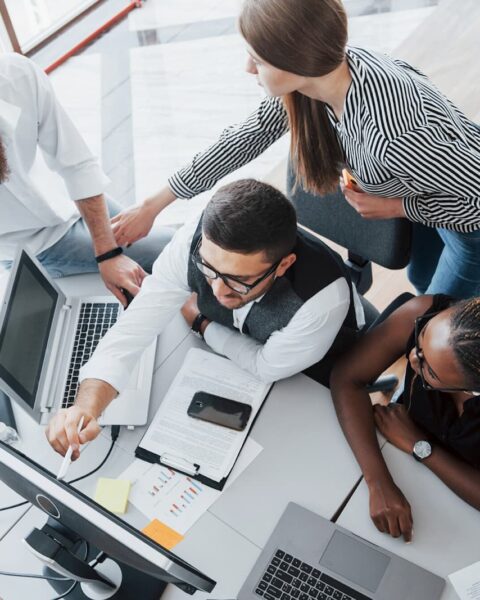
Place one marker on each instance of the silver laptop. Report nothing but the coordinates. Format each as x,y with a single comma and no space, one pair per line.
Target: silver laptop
45,338
310,558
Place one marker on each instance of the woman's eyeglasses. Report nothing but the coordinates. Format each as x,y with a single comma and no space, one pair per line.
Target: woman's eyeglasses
420,323
233,283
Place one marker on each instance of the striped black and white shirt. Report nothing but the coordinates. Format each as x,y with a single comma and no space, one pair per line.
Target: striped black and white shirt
400,136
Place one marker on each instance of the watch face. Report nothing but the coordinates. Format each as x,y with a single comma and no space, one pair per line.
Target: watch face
422,449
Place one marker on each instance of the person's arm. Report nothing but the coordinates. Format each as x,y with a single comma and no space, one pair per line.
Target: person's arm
66,153
92,399
236,146
372,354
63,147
108,371
443,176
302,343
398,428
117,272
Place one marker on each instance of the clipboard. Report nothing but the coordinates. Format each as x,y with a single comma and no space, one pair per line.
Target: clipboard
193,470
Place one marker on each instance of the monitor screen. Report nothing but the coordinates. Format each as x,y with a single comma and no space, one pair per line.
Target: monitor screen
25,329
100,528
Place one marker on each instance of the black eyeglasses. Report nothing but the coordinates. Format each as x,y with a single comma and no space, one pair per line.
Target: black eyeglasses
420,323
232,282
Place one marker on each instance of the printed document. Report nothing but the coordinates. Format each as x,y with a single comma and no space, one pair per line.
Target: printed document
467,582
175,435
177,500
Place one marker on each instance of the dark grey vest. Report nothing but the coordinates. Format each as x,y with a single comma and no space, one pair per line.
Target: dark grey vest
316,267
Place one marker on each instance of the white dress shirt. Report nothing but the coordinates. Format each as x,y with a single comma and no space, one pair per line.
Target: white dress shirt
302,343
31,117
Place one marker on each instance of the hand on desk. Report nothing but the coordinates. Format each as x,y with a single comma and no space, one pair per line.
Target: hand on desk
390,510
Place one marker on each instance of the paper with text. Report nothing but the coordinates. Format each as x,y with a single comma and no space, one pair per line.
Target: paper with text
467,582
213,447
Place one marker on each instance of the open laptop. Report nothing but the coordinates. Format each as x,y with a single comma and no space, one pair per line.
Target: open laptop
45,338
310,558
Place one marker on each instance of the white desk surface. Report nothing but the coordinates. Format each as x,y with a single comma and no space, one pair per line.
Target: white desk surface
446,530
297,427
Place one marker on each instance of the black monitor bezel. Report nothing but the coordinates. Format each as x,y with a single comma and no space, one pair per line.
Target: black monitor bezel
169,578
26,262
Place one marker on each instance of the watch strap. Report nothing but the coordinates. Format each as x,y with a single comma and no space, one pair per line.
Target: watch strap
110,254
197,323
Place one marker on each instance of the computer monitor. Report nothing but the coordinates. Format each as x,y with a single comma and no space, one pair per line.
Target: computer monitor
128,561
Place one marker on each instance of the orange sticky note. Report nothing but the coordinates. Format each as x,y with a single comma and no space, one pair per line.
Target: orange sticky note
162,534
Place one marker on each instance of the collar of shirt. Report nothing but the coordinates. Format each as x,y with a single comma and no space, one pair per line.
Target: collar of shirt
350,122
240,314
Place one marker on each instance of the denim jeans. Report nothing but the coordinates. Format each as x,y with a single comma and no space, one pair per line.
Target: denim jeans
444,261
73,253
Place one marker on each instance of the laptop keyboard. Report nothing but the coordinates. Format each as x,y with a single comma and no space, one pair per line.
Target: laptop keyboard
288,578
94,321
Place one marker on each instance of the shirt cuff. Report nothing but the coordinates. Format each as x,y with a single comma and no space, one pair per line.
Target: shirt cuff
85,182
410,206
216,336
179,188
114,377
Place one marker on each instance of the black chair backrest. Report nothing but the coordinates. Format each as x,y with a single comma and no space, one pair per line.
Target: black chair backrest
385,242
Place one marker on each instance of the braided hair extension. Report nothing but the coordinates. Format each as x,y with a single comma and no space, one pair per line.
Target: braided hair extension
465,339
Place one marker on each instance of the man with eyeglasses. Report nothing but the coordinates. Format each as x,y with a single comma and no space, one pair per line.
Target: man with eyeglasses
258,290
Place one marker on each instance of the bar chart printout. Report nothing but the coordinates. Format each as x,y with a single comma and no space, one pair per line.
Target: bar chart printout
161,493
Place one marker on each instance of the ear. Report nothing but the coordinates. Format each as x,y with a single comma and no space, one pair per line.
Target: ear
285,264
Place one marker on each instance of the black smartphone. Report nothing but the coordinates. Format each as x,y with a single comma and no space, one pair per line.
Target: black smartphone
218,410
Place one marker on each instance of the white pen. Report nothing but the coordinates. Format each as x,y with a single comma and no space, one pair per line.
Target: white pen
67,459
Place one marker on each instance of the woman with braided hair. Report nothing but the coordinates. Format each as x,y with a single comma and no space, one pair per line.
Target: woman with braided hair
437,418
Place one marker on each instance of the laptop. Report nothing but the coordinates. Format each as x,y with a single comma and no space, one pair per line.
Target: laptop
308,557
45,338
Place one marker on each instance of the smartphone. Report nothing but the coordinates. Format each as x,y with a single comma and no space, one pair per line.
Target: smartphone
349,181
218,410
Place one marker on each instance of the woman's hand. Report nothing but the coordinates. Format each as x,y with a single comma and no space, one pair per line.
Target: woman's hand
134,223
390,510
397,427
373,207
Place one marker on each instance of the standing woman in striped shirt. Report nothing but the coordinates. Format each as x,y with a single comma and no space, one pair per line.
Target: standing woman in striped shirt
412,152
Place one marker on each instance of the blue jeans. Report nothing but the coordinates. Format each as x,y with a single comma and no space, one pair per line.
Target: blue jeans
73,253
445,262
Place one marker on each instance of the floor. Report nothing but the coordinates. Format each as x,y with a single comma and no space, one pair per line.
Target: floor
161,86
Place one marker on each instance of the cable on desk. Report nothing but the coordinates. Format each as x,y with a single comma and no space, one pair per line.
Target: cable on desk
14,505
115,432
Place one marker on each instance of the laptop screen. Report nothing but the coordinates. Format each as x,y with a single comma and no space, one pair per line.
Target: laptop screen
25,329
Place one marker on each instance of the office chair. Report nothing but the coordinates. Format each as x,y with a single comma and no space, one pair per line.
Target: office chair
385,242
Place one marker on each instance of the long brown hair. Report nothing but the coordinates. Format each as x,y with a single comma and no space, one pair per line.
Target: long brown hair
308,38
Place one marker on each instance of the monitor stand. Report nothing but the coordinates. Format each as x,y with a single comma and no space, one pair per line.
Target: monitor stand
79,563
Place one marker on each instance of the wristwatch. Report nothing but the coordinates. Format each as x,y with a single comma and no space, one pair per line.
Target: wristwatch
421,450
197,323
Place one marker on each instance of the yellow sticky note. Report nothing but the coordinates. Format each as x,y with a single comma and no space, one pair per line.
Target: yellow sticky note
112,494
162,534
